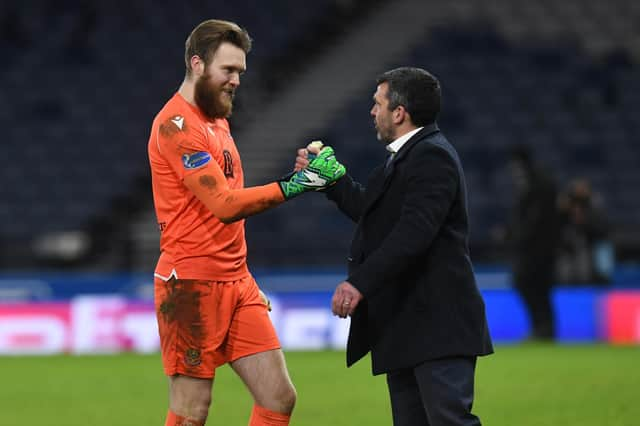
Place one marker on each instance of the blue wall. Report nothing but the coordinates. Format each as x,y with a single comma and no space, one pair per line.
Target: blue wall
578,312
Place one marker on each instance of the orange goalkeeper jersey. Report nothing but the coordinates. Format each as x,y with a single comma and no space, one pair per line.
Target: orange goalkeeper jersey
194,244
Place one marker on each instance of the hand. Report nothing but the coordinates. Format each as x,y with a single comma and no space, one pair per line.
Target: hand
302,160
265,300
345,299
304,154
322,170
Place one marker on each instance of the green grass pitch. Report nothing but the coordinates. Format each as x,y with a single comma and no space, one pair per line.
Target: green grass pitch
548,385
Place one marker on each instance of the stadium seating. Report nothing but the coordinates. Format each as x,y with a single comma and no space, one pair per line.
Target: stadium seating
81,85
82,81
575,112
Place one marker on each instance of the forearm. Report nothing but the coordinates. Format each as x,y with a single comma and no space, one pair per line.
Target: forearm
230,205
210,186
241,203
348,196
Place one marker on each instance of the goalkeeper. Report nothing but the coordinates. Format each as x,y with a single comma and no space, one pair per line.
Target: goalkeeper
209,308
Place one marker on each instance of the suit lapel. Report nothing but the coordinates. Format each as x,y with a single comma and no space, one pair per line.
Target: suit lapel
422,134
382,178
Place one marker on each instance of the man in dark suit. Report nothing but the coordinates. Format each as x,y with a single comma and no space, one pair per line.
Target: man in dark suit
411,292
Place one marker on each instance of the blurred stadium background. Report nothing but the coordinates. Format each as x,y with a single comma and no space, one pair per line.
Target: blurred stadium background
80,82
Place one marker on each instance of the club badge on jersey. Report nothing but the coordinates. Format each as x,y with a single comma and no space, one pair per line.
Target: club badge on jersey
195,160
228,163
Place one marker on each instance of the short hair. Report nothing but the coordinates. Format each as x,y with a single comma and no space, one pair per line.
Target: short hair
205,39
417,90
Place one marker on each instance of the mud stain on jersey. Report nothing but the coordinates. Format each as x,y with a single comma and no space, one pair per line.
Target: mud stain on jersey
208,182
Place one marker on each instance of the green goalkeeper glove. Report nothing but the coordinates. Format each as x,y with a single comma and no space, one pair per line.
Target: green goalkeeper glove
323,171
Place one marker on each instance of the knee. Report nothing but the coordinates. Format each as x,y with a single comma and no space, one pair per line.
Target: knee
283,400
200,406
289,397
190,401
193,407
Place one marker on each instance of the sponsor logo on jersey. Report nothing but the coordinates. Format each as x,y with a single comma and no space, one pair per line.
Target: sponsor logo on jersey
195,160
173,126
178,120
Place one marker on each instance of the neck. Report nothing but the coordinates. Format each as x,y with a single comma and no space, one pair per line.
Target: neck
187,89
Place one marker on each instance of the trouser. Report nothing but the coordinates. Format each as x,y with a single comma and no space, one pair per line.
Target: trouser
434,393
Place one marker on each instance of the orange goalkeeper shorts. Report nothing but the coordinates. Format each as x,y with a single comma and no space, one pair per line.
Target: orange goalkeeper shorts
205,324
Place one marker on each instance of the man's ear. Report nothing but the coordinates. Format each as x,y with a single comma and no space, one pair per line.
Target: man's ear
399,115
197,65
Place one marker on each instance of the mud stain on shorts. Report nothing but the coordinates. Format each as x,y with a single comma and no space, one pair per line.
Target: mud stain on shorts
182,305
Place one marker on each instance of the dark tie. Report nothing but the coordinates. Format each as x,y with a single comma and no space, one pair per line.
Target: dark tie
387,165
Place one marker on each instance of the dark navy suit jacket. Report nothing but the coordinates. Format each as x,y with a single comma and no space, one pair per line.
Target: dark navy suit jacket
410,259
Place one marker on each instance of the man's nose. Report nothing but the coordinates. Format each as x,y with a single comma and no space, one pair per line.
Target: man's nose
235,80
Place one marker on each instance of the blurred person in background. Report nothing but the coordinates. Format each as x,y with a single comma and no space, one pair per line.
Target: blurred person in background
209,308
585,255
533,236
410,290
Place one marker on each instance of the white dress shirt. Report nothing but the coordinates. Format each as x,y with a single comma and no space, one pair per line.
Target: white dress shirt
395,146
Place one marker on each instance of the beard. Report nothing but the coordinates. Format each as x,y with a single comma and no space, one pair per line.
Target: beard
384,134
214,101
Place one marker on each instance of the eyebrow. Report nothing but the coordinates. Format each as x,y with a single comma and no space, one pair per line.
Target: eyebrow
232,65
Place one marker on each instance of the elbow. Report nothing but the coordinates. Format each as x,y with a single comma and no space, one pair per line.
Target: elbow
229,219
227,215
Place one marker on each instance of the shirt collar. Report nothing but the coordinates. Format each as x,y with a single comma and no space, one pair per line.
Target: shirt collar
395,146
